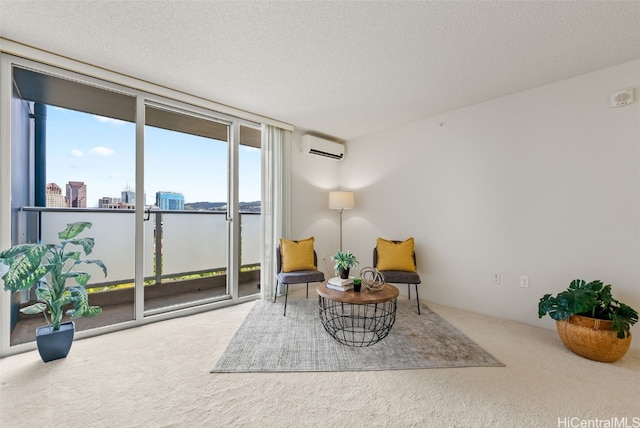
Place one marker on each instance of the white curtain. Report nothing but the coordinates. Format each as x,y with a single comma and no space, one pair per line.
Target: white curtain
276,198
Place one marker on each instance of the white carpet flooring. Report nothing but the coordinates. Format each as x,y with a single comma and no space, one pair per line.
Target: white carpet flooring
158,376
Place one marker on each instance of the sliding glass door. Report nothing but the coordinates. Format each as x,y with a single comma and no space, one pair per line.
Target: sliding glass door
172,190
186,158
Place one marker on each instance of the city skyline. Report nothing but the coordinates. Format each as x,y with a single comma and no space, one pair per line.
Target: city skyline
101,152
55,198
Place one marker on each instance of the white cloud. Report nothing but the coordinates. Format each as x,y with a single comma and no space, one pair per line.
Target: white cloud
103,119
76,153
101,151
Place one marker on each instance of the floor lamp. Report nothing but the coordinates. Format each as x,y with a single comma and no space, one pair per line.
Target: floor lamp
341,201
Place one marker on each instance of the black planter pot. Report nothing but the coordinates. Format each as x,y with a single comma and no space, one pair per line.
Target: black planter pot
344,273
53,345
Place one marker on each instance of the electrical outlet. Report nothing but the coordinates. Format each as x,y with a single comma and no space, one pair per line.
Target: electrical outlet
496,278
524,281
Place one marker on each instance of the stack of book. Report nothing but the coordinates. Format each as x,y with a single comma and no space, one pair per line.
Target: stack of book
337,283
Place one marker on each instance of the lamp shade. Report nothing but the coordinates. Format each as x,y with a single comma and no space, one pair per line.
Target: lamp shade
341,200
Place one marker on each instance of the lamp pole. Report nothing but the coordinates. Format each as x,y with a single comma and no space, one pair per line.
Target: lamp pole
340,201
341,209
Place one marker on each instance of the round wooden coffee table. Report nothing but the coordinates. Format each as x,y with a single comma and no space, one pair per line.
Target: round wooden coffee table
358,319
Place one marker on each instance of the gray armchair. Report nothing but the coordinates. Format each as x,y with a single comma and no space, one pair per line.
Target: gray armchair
296,277
400,276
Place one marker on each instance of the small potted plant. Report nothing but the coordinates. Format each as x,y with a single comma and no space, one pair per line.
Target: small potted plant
343,262
49,266
357,284
590,322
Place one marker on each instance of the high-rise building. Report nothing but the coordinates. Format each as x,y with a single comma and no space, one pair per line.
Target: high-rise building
76,194
54,196
128,196
170,200
108,202
119,206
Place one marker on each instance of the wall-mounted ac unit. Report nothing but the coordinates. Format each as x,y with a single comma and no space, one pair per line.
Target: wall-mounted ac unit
321,147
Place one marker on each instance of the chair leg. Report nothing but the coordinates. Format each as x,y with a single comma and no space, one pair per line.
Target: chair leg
286,296
307,290
275,293
417,299
409,291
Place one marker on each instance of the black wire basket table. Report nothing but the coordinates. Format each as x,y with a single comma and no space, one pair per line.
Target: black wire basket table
358,318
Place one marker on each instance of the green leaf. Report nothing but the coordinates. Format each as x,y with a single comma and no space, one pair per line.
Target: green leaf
577,283
43,293
86,243
28,259
71,255
92,311
556,307
36,308
96,262
581,298
544,305
82,278
80,301
74,229
25,270
66,298
15,250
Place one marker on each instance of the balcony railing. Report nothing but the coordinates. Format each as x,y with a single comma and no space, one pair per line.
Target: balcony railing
185,257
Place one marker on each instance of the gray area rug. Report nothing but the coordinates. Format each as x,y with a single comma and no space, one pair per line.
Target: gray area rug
269,342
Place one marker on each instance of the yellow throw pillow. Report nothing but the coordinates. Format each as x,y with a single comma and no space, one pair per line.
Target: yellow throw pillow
297,255
395,256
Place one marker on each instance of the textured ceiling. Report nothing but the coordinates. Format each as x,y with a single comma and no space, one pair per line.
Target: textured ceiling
343,69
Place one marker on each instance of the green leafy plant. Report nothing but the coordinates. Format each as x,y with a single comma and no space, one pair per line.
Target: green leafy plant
50,266
591,299
344,260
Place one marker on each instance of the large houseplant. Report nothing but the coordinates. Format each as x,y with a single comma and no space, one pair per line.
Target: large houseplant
344,261
590,321
50,266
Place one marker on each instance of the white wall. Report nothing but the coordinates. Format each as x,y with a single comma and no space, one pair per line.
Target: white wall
543,183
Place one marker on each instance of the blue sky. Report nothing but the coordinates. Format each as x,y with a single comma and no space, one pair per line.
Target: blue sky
101,152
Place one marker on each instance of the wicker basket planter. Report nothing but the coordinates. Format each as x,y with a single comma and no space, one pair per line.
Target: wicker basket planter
592,338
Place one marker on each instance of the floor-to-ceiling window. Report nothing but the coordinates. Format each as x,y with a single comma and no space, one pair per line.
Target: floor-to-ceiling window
182,198
75,156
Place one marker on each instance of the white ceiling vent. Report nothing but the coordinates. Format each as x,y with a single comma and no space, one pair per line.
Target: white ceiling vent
321,147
